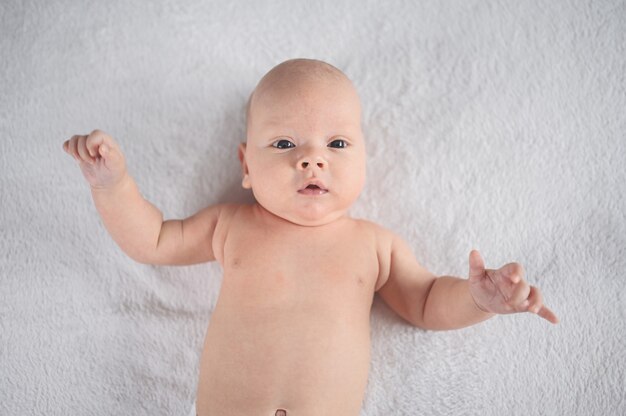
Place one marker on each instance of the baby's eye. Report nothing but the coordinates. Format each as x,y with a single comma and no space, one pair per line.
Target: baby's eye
338,144
283,144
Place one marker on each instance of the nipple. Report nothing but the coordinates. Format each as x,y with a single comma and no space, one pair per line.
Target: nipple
281,412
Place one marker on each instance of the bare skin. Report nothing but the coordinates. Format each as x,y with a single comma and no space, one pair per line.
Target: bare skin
290,332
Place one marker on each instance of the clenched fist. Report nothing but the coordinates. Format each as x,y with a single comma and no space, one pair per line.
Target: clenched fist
99,157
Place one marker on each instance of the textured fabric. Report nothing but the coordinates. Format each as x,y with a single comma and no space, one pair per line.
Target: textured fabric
495,125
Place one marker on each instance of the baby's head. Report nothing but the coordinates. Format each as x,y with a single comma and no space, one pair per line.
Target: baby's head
305,154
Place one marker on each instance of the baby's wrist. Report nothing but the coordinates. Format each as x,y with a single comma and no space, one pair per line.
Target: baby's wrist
479,307
113,187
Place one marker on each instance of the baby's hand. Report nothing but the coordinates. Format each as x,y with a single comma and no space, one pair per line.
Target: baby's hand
99,157
505,290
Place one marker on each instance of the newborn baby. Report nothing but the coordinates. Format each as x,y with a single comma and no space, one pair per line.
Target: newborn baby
290,332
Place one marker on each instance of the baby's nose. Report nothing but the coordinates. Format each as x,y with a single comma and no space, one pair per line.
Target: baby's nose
311,162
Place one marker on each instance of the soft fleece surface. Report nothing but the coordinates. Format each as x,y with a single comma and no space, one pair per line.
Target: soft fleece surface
491,125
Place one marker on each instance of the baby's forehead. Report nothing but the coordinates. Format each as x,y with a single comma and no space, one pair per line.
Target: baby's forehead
299,82
291,86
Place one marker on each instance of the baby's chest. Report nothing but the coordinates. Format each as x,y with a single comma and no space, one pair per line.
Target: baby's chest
301,267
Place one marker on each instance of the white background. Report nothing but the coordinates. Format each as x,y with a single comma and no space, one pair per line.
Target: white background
496,125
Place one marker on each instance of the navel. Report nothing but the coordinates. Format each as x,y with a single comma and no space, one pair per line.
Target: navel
281,412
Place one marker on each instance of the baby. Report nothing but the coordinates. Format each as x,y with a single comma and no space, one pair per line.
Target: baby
290,332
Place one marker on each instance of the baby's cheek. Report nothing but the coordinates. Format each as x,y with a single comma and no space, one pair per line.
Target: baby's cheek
354,182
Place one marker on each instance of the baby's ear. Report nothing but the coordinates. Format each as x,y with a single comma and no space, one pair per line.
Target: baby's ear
245,182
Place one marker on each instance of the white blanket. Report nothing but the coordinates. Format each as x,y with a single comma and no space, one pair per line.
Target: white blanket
495,125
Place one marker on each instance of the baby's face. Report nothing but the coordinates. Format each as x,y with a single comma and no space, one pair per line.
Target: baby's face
305,155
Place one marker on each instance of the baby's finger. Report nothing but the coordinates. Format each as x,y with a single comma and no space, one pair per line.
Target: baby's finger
548,315
71,147
536,306
514,272
519,295
95,140
81,146
66,146
476,266
535,300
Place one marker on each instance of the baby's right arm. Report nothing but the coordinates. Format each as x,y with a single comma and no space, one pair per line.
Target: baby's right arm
135,224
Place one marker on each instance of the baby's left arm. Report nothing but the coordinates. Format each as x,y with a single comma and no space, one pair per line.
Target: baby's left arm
447,302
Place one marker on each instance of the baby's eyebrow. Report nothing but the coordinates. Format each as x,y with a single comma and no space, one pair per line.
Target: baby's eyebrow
276,122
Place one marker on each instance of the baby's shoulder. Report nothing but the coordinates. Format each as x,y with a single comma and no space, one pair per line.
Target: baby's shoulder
383,241
382,235
226,214
379,235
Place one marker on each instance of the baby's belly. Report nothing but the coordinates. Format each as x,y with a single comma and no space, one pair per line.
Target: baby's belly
308,357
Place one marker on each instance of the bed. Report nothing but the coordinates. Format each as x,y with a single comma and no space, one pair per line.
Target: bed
492,125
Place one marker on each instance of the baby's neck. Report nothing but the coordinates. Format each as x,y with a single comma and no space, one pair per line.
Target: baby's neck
272,220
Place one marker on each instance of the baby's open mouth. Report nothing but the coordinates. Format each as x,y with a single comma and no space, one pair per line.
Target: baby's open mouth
313,189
